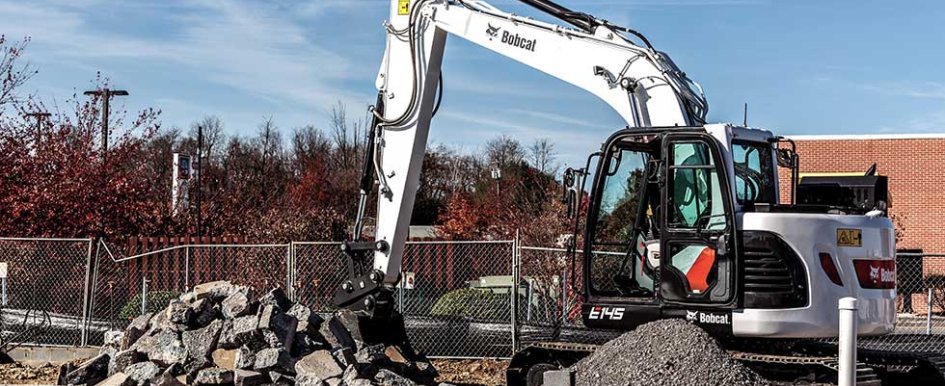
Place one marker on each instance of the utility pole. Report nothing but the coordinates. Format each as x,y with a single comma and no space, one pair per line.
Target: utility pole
39,116
106,94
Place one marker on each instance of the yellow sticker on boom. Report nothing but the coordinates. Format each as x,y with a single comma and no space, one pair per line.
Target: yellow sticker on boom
403,7
849,237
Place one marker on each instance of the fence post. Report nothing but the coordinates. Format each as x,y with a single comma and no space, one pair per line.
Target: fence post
400,293
564,296
928,313
848,329
514,292
187,267
144,295
288,272
86,294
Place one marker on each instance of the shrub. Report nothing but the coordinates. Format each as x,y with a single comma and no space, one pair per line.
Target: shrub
157,301
473,303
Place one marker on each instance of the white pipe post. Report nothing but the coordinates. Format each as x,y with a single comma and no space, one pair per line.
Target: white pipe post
928,313
848,308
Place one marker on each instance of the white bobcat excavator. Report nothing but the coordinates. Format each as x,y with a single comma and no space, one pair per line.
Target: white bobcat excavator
684,217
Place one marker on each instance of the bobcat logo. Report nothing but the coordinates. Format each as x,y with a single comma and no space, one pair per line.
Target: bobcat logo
692,316
493,31
874,273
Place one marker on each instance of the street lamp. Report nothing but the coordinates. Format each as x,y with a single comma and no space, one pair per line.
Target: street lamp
106,94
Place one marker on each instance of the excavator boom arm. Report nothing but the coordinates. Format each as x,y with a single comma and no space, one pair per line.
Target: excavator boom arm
641,84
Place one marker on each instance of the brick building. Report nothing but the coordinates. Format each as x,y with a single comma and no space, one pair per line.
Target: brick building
915,165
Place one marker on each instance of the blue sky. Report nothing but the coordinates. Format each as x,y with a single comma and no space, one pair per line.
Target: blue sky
805,67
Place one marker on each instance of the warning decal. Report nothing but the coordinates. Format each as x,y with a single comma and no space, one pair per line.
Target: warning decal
849,237
403,7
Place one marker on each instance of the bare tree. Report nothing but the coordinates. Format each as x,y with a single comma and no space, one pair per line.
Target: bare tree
504,151
346,135
542,156
12,74
212,133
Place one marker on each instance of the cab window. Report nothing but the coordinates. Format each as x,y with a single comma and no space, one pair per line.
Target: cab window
695,193
754,172
621,192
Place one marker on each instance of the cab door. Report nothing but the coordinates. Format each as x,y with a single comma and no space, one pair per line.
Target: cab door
697,247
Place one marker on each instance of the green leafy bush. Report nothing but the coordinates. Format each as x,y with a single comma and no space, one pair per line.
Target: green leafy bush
157,300
473,303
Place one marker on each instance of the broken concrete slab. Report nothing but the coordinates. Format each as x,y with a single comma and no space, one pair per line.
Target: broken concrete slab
372,354
178,312
236,305
345,356
394,355
90,372
272,358
165,348
142,373
319,364
123,359
202,313
227,337
111,342
215,290
214,376
390,378
135,330
117,379
200,342
276,297
166,379
225,358
248,378
245,358
335,334
282,325
246,332
308,321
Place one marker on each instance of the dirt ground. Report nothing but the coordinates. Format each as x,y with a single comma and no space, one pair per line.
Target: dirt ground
17,374
471,372
467,372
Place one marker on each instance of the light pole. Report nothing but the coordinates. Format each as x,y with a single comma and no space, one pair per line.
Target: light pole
106,94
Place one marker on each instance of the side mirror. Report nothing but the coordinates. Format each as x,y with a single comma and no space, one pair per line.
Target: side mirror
567,182
786,158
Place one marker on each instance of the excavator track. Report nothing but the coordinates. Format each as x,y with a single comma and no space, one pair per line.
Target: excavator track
865,375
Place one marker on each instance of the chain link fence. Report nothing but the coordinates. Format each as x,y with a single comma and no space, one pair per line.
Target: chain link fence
457,297
461,287
124,286
920,306
44,290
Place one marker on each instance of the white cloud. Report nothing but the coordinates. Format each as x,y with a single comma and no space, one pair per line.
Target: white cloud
921,90
245,46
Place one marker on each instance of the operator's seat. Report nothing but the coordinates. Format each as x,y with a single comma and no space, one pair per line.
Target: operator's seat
695,262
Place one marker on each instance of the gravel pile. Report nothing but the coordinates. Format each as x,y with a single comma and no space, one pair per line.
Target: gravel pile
222,334
665,352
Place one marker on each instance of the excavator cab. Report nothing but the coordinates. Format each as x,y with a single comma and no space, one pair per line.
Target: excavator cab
659,228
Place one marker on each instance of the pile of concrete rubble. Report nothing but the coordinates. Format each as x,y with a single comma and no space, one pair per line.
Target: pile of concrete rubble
221,333
667,352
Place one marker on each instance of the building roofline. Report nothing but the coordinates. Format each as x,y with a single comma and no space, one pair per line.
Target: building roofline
864,137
